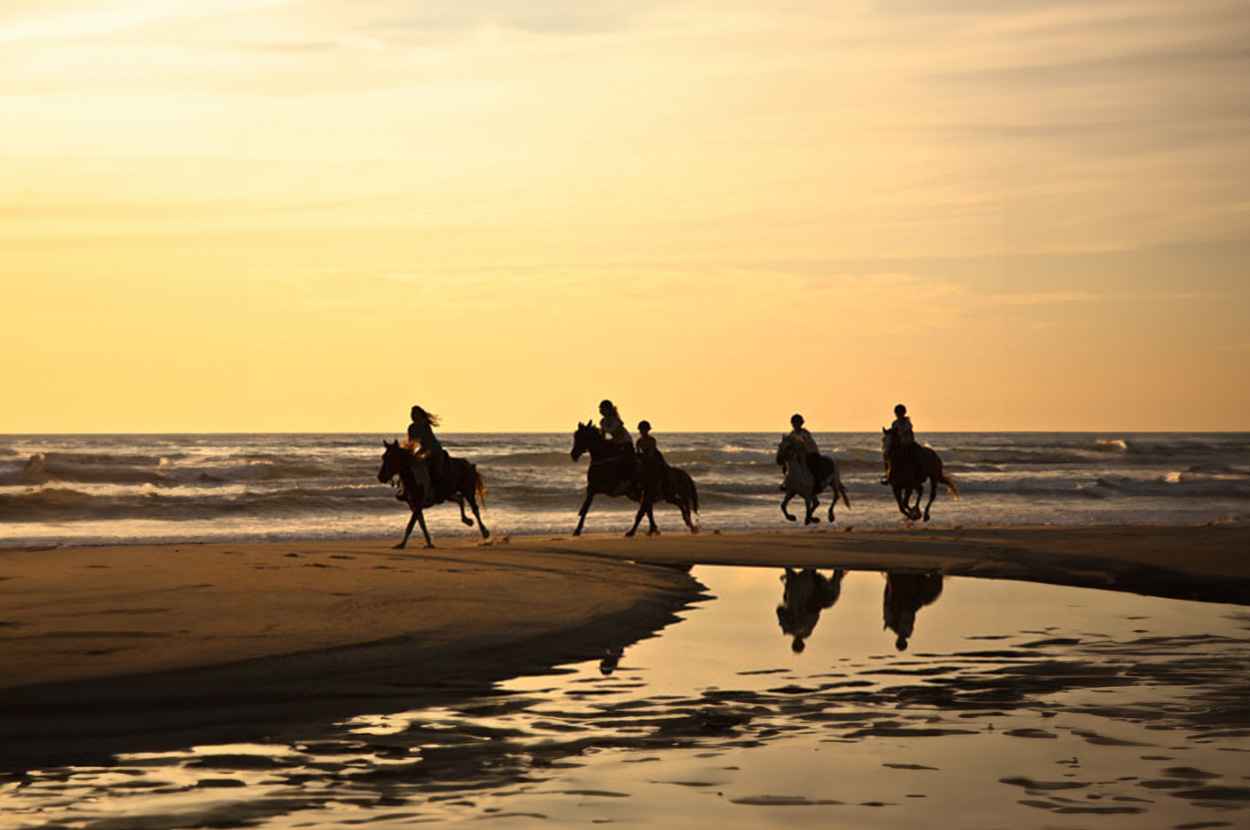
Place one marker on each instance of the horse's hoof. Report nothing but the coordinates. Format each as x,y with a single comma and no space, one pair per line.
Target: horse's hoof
629,534
400,546
485,533
791,519
467,522
926,517
429,545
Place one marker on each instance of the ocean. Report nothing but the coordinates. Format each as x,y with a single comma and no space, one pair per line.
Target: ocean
108,489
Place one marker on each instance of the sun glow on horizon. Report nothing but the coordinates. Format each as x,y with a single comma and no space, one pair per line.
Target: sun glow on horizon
298,215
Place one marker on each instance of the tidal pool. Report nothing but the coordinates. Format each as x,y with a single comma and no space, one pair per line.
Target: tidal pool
785,700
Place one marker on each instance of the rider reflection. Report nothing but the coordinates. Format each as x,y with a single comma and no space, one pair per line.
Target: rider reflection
806,594
905,594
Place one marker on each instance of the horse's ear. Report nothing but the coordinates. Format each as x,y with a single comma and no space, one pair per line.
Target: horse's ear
884,431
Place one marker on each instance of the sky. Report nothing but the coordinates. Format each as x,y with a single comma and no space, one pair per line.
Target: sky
308,215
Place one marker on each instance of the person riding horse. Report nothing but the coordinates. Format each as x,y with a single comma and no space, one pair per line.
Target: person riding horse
901,441
805,439
655,474
613,428
425,445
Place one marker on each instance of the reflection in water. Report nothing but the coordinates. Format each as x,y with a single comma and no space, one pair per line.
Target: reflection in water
905,594
1030,706
805,595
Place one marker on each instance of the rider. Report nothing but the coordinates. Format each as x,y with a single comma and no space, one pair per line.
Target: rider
614,430
900,430
812,455
425,444
653,464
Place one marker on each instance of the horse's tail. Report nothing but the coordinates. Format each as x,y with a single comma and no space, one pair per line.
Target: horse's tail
479,484
842,492
694,494
949,481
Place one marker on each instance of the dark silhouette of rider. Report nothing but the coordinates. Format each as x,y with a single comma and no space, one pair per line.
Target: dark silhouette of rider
425,445
812,453
613,429
902,440
805,595
654,467
905,594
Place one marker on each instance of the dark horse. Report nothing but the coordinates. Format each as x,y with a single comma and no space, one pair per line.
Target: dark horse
905,594
614,473
909,468
414,482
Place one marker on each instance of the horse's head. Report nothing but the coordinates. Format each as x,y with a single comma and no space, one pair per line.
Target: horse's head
586,436
392,458
788,449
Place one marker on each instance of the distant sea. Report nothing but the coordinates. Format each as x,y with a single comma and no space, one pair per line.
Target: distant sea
107,489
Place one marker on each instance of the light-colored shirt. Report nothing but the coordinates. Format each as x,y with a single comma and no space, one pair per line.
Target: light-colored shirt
615,431
806,437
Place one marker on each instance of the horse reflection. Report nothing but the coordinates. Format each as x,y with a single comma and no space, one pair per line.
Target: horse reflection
806,594
905,594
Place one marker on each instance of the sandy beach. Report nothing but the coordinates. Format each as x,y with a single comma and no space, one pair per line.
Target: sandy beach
125,610
148,643
183,669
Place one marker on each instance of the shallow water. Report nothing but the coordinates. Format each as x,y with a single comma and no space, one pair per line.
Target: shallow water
1013,705
109,489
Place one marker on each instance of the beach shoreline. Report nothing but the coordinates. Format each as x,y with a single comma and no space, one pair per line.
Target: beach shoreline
148,645
265,598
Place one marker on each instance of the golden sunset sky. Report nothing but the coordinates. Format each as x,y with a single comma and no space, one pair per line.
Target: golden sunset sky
307,215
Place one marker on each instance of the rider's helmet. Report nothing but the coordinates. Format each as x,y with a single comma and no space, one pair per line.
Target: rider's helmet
644,426
796,420
605,404
900,410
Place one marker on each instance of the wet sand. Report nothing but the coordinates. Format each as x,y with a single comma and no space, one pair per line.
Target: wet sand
112,649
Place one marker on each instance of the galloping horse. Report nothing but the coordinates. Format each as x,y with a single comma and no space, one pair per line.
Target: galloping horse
799,482
908,471
613,473
415,489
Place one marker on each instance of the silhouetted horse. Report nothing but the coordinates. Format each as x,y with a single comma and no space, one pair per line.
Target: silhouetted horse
805,595
909,468
612,472
465,484
905,594
799,482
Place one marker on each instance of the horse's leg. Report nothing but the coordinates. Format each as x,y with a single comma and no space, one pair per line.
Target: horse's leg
652,528
683,504
459,500
786,501
472,500
933,485
812,503
429,543
412,520
590,496
642,509
901,498
913,511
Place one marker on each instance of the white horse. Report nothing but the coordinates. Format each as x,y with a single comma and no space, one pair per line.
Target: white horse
792,455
